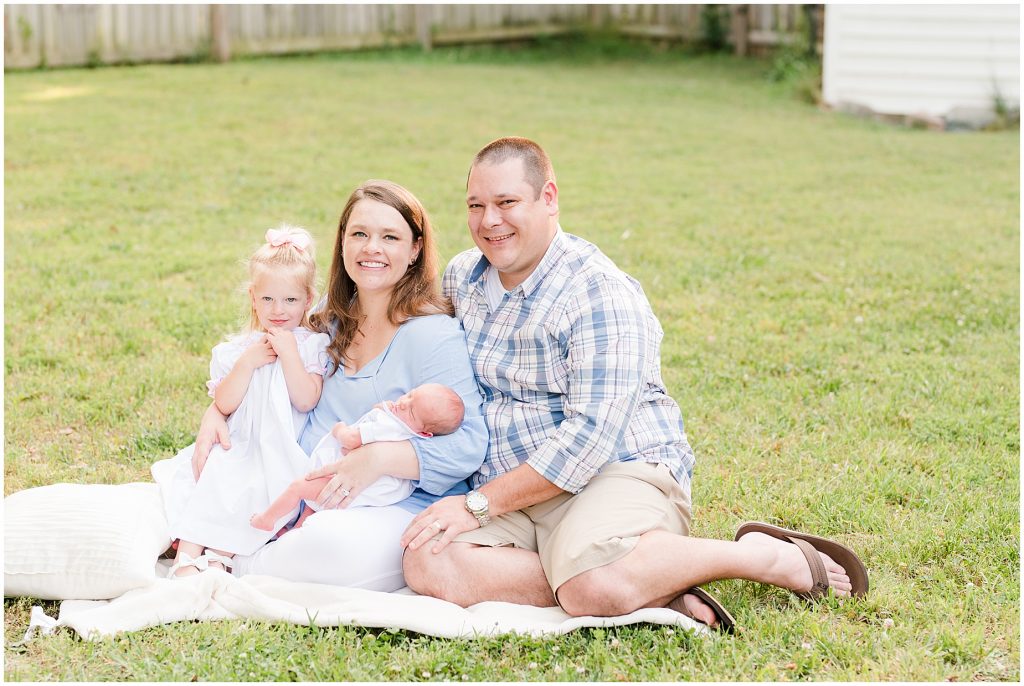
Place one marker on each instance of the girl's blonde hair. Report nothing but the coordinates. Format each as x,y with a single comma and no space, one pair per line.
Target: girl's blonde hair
287,252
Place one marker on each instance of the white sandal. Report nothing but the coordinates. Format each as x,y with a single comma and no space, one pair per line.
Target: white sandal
186,560
201,563
209,556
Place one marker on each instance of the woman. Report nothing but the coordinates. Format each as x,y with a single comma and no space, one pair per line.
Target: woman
391,331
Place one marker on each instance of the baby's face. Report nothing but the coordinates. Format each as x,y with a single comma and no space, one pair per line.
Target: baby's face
411,409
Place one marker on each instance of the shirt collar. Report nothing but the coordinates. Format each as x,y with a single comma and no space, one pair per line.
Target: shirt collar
478,270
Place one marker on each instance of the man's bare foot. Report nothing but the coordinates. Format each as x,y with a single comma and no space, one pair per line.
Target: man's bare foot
789,568
694,608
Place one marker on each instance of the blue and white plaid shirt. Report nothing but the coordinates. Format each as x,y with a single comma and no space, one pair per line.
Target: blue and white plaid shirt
569,368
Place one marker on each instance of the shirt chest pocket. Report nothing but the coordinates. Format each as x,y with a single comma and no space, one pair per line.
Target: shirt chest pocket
538,362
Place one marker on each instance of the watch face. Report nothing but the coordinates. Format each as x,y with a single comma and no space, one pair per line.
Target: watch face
476,501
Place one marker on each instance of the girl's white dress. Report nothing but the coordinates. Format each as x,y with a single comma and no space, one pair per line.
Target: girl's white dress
263,459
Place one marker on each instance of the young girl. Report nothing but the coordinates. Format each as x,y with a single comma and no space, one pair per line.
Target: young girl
266,378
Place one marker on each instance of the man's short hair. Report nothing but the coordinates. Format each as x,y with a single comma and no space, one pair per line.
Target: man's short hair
536,162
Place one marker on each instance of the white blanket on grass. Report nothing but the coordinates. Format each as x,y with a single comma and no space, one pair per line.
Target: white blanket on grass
216,595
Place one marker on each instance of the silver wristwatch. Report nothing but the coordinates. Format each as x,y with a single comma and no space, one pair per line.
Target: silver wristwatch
476,503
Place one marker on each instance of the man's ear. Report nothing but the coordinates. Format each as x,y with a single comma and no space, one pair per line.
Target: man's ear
426,434
549,194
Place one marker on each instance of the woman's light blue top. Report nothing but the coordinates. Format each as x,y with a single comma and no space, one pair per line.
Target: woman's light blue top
428,349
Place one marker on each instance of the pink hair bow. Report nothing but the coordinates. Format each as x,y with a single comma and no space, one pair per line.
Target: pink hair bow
277,238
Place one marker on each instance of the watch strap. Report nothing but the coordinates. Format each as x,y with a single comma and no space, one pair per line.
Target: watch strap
481,515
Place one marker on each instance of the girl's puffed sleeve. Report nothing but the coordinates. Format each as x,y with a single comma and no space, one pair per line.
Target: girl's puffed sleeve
442,357
313,351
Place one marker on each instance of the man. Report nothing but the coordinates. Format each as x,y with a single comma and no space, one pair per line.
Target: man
584,497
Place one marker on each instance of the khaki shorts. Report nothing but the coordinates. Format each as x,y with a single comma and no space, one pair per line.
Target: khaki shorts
599,525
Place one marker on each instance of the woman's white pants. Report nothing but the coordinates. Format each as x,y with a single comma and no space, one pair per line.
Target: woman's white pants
356,547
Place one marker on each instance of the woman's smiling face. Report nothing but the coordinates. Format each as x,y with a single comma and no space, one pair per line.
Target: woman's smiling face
378,246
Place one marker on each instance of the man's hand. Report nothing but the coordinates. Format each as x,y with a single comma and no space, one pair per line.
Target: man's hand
511,491
448,515
213,429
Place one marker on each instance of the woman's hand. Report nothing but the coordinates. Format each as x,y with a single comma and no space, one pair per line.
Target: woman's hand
349,476
213,429
448,516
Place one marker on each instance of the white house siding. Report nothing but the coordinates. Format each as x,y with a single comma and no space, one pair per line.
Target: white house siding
921,59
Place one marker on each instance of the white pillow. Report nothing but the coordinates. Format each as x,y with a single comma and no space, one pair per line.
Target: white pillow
82,541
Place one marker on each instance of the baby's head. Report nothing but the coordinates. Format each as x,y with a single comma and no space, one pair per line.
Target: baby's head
431,409
282,280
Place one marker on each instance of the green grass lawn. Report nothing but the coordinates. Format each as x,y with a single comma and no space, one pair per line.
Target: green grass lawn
840,301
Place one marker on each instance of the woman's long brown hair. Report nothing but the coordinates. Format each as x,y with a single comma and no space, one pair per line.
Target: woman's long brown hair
418,293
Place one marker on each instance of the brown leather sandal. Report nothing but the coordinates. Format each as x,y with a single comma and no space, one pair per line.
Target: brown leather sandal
726,623
810,546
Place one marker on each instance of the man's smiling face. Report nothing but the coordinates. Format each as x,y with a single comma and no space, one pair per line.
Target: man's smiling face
511,225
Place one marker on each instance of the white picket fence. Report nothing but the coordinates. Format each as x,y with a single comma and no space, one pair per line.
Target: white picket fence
70,35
